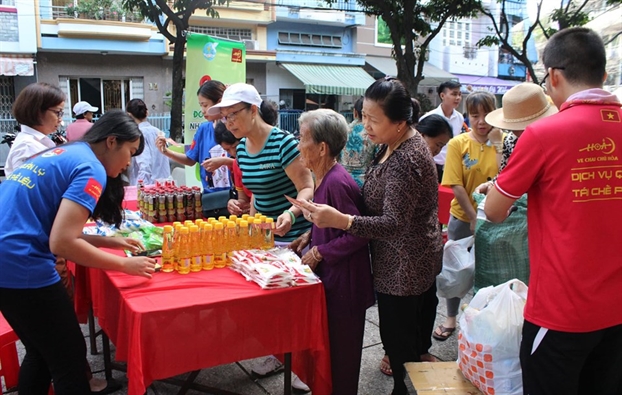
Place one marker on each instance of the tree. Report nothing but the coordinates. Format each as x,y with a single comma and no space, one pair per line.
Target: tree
173,20
409,22
570,13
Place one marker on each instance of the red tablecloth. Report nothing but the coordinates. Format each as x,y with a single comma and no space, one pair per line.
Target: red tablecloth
445,196
176,323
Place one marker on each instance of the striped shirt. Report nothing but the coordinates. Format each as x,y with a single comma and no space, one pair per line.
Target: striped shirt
264,175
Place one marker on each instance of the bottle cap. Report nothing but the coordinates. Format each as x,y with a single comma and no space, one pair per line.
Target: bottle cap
218,226
230,224
233,217
168,228
184,230
243,224
194,228
269,220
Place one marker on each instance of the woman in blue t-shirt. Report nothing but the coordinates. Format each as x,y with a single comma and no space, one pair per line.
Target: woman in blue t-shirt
215,163
269,160
45,204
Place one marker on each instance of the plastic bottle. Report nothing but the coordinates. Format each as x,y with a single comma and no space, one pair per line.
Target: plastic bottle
252,233
195,249
232,241
220,254
268,234
245,216
176,243
243,241
168,252
233,217
207,257
183,264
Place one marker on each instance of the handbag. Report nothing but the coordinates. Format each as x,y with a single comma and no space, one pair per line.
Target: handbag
214,204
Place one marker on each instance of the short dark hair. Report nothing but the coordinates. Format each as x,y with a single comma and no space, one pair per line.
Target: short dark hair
451,85
212,90
268,113
581,53
223,135
34,101
394,99
358,106
434,125
416,109
327,126
119,124
137,108
480,99
81,116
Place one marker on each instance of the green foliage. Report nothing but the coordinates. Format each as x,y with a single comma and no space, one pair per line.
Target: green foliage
488,41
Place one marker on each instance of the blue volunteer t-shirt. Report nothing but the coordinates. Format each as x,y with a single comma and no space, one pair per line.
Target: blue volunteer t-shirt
30,198
203,147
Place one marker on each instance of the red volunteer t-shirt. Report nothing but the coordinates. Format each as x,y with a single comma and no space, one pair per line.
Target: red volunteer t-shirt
237,180
570,164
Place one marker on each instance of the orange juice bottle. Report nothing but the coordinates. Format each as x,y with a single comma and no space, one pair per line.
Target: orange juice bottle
220,253
243,240
168,252
232,241
252,233
207,258
183,264
268,234
176,243
257,242
195,249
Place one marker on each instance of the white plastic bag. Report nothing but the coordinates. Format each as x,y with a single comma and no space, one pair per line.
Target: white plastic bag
456,278
490,336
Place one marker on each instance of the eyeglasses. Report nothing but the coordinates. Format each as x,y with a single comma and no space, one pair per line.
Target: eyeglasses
59,113
232,116
543,82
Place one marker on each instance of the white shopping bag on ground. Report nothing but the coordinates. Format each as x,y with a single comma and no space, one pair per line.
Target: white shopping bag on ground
490,336
456,278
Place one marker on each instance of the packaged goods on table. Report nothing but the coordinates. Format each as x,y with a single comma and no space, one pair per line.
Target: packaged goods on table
276,268
132,226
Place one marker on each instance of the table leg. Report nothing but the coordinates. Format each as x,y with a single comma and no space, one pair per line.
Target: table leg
287,390
92,333
107,361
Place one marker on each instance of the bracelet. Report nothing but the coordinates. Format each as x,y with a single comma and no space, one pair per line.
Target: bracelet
350,220
291,214
315,258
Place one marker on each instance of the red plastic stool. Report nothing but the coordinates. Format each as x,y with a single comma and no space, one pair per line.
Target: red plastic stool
8,354
9,363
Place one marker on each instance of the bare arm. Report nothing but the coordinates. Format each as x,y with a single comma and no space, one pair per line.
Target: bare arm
465,203
66,240
301,177
497,206
176,156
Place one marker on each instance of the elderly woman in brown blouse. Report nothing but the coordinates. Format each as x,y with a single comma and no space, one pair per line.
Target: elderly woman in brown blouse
400,217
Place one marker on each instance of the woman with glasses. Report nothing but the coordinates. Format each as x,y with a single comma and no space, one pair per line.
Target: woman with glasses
43,110
214,161
400,197
47,201
269,160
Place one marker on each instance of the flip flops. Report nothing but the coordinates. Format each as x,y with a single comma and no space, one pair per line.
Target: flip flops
444,333
385,366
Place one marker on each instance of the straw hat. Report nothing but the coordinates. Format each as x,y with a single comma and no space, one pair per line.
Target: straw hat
523,104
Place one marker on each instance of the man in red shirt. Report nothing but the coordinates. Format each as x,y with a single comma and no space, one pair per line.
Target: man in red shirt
570,164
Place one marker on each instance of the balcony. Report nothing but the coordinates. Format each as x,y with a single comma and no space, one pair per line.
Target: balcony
339,13
110,13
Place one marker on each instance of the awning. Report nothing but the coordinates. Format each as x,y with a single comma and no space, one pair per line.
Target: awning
331,79
497,86
11,65
433,76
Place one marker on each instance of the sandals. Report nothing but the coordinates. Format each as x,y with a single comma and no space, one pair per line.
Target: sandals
385,366
444,333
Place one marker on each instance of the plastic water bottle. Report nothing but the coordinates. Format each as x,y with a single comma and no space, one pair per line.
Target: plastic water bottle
220,253
168,252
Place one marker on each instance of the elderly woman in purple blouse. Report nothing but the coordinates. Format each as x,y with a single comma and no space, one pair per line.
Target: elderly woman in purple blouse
340,259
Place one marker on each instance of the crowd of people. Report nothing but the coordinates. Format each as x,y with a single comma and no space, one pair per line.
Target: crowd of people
365,219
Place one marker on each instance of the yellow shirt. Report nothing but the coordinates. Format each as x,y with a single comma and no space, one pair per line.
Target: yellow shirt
469,163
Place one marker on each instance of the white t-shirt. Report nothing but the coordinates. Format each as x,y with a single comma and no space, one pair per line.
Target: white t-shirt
455,120
28,142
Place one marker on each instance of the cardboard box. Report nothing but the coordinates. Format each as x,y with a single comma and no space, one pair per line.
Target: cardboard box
435,378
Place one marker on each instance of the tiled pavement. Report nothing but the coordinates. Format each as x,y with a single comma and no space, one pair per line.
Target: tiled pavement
235,378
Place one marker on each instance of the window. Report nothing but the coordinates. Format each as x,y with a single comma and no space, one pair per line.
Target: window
224,32
459,33
103,93
309,40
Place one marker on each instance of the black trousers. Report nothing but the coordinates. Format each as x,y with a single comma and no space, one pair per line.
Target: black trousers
572,363
402,327
46,323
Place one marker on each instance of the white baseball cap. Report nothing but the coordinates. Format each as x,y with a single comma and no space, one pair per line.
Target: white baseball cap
81,107
234,94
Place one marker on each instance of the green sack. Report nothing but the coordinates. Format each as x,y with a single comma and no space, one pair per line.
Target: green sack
501,250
